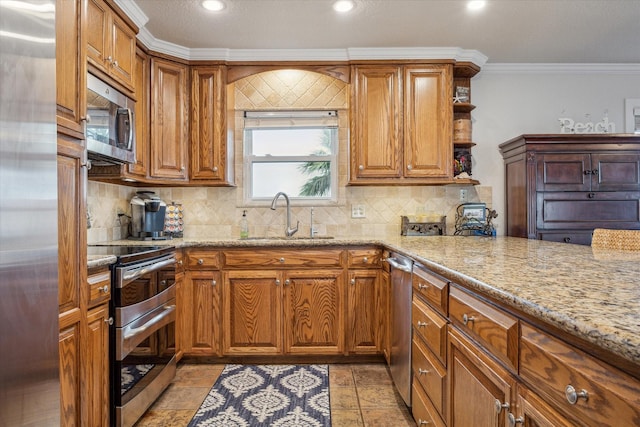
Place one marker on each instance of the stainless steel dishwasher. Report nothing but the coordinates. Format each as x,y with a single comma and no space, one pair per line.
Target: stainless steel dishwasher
400,328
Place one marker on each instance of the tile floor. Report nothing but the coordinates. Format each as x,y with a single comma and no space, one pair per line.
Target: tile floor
362,395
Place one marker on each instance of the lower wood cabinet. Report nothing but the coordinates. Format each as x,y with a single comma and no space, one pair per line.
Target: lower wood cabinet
362,311
70,364
275,312
201,309
532,411
480,391
96,385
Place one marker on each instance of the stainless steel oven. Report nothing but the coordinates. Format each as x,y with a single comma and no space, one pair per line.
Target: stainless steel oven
142,338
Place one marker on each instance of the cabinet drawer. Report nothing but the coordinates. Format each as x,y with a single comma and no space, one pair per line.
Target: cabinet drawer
99,287
429,373
431,327
568,236
365,258
202,259
551,366
423,411
493,328
274,258
434,289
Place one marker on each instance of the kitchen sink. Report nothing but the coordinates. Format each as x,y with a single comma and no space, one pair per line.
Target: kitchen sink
290,238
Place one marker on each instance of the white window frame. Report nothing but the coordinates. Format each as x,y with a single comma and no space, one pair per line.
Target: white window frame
283,120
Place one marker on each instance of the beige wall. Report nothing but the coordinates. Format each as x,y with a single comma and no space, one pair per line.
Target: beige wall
212,212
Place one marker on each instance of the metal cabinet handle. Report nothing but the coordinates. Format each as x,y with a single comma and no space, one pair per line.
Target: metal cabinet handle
422,422
104,289
277,282
591,195
353,281
466,319
423,371
500,406
421,286
213,283
573,395
513,420
361,167
365,260
287,282
594,172
567,239
409,167
110,58
281,260
421,324
215,169
200,261
115,63
109,321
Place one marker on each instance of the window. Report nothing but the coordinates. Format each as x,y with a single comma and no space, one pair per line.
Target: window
290,151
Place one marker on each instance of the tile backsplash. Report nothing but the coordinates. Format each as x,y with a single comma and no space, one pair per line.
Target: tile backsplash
215,212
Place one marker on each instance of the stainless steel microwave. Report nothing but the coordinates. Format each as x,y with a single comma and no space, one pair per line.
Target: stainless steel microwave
110,128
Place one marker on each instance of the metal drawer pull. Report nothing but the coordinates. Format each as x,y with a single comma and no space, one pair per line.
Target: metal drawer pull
572,395
287,282
213,283
421,286
365,260
277,282
200,261
423,371
422,422
353,281
500,406
109,321
466,319
281,259
421,324
513,420
104,289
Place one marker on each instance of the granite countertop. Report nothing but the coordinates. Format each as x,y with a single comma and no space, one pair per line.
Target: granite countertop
591,294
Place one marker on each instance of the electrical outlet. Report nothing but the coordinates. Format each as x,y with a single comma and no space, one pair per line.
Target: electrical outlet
357,211
463,194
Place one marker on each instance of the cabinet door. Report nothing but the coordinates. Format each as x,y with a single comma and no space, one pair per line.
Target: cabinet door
615,172
428,138
479,389
97,367
384,317
208,125
70,66
97,15
252,312
168,120
534,412
204,302
313,312
123,51
563,172
375,149
72,220
69,347
141,82
362,311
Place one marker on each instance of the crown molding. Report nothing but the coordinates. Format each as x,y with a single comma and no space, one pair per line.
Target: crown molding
133,12
559,68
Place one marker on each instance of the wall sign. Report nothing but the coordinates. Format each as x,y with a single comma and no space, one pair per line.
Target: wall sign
568,125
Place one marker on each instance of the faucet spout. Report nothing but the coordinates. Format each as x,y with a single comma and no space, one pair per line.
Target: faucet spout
289,231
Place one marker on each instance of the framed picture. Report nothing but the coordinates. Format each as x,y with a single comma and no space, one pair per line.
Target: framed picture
474,212
632,115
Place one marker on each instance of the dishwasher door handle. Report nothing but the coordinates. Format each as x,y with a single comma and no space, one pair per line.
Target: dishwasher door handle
400,264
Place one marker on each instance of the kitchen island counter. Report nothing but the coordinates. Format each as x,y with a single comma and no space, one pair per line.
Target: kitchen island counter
589,294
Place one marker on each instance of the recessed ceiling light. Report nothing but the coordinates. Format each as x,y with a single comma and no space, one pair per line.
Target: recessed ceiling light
476,4
213,5
343,6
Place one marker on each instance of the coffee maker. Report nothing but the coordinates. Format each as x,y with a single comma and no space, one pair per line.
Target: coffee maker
147,217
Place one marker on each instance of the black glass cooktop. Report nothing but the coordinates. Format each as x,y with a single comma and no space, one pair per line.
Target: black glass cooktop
126,254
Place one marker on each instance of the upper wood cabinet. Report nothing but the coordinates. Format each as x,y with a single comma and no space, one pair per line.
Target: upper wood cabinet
401,124
71,68
169,120
111,42
210,153
142,82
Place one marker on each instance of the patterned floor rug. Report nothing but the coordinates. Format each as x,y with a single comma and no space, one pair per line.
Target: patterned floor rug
267,395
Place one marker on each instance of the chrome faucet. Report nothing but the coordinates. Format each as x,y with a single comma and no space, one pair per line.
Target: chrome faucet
289,231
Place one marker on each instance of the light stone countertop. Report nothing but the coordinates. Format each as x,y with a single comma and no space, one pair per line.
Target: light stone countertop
589,294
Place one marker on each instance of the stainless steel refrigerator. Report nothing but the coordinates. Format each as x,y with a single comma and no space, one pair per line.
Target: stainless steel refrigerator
29,377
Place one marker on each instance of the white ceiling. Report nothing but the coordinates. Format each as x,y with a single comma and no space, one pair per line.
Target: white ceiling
506,31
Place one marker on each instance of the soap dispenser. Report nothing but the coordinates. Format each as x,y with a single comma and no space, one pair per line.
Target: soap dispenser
244,226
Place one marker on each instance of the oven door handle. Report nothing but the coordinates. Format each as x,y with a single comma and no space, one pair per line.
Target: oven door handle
135,273
151,323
